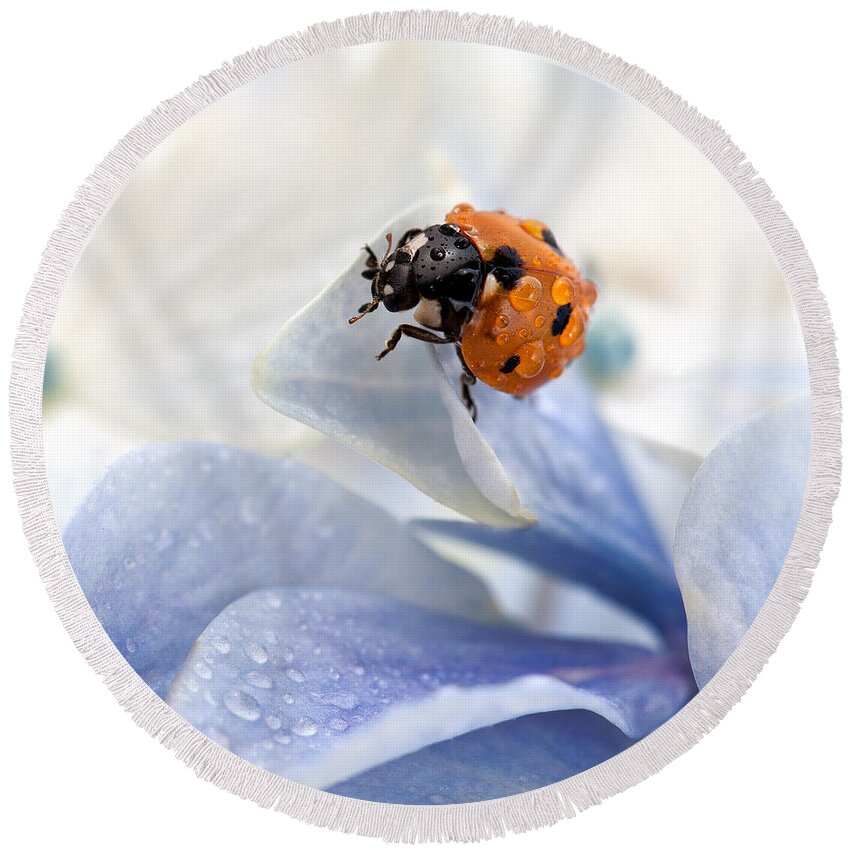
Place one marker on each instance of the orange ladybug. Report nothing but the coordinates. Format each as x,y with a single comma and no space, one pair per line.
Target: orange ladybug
496,287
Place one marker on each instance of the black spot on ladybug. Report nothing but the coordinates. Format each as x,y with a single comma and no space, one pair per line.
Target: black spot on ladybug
506,257
507,277
562,318
461,243
510,364
438,254
449,229
549,239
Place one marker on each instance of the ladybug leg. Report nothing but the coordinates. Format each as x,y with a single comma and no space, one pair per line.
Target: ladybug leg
413,332
467,380
371,258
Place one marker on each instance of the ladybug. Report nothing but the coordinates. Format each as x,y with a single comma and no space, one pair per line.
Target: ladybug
496,287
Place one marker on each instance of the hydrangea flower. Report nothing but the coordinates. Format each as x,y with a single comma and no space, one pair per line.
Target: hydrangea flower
314,634
485,610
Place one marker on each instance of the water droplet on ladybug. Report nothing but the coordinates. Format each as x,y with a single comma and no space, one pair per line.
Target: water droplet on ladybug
526,294
562,291
501,321
531,359
573,330
538,321
502,339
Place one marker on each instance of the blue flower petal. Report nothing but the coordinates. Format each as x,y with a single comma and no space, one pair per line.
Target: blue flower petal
496,761
321,685
735,529
592,527
173,532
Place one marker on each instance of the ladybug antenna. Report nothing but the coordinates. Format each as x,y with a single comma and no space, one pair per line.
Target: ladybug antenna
372,263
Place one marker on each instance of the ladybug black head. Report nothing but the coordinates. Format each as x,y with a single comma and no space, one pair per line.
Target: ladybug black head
436,262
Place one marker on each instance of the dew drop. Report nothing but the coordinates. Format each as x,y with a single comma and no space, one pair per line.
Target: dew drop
562,291
333,673
503,339
531,359
305,727
273,722
573,330
288,699
526,294
338,724
342,700
221,644
203,670
295,674
283,739
131,645
258,679
257,653
538,321
358,669
501,321
242,705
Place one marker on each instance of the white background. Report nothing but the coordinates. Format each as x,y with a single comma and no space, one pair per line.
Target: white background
77,769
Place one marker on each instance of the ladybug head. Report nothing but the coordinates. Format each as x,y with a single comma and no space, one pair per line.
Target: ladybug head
393,281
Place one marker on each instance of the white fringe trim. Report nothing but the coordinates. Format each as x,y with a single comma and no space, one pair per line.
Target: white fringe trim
473,821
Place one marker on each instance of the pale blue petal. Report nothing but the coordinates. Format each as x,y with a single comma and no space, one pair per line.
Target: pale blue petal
735,528
174,532
322,371
321,685
592,527
497,761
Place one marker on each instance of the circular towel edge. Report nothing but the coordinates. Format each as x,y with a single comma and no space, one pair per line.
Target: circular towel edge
469,821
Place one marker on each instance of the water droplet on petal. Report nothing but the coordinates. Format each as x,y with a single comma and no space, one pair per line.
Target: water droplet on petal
295,674
257,653
342,700
273,722
242,705
203,670
338,723
221,643
131,645
258,679
305,727
288,699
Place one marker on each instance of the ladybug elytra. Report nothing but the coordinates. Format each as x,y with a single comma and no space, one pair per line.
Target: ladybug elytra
496,287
